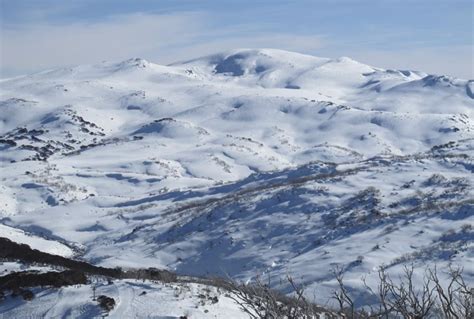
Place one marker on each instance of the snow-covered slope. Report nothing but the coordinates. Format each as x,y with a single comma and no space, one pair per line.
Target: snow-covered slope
134,299
242,162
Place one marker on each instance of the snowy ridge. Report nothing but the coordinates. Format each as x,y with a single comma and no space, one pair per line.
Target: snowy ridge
241,163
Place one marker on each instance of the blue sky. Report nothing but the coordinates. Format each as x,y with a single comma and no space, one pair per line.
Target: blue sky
435,36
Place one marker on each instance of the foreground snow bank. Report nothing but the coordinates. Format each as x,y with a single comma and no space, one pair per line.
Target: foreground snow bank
134,299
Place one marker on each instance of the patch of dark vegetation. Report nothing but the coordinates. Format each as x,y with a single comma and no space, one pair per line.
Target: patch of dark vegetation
8,142
18,280
13,251
447,145
106,303
37,141
95,143
30,141
150,274
26,294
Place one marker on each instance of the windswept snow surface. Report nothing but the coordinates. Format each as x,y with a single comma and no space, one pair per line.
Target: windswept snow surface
243,163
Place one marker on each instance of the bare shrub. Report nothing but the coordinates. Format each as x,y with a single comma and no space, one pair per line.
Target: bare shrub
404,299
106,303
455,299
258,300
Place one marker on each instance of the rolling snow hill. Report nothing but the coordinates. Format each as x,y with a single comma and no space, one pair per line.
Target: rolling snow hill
241,163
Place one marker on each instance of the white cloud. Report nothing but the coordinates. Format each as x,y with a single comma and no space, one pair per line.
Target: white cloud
43,46
165,38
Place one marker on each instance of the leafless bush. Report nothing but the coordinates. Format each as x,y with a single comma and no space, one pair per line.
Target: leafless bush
404,299
455,299
259,301
342,295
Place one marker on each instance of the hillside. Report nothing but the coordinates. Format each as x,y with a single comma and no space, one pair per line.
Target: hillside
239,164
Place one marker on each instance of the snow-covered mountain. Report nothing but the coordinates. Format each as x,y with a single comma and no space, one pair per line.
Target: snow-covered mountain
242,163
